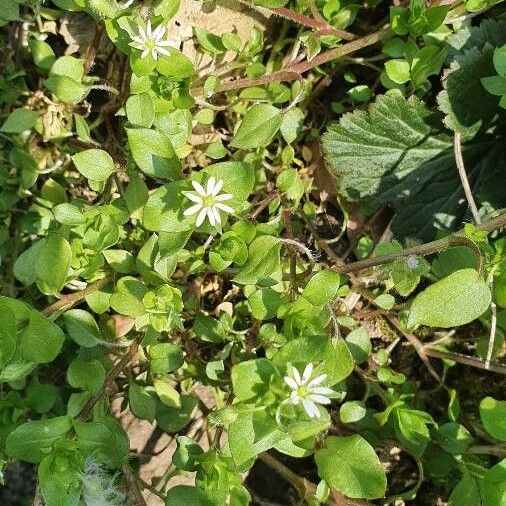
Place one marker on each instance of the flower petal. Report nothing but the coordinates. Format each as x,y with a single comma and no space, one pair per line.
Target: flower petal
142,34
320,390
311,409
163,51
294,398
201,217
169,43
217,187
154,54
193,210
216,215
149,32
138,39
210,216
224,207
291,382
193,197
199,188
320,399
144,54
211,182
307,373
316,381
158,32
223,196
296,375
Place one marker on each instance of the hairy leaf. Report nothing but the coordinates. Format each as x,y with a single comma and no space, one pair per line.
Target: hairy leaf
392,155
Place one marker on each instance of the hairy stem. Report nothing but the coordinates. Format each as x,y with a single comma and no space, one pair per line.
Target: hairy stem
459,159
457,239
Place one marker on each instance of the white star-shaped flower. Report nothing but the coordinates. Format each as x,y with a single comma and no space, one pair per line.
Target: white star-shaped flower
151,41
208,202
307,390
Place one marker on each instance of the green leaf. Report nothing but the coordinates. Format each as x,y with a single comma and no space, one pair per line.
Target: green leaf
68,66
167,393
60,475
66,89
258,127
494,84
41,341
322,287
411,429
466,103
153,153
41,397
466,492
292,123
352,411
32,441
141,403
455,300
263,261
86,375
454,438
359,344
398,71
164,357
185,495
43,54
264,303
493,417
18,121
94,164
174,419
52,263
8,335
136,195
140,110
104,440
81,327
350,465
120,260
500,60
68,214
252,378
187,454
391,155
127,297
493,487
209,41
251,434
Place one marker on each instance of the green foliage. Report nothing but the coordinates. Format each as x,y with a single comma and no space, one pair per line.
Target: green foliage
455,300
350,465
172,248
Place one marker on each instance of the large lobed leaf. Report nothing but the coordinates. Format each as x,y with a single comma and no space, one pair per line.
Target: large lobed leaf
391,154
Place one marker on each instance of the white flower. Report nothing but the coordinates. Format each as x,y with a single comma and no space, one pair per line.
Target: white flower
307,390
151,41
208,202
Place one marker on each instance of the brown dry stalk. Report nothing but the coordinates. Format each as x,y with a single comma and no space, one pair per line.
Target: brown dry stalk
116,370
295,71
68,300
